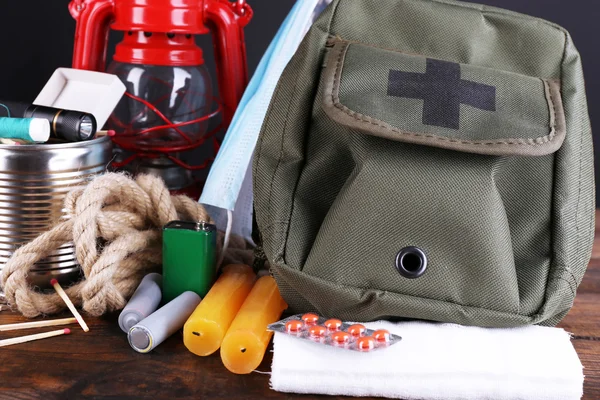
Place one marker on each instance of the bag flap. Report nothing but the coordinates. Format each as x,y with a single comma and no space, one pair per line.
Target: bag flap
420,100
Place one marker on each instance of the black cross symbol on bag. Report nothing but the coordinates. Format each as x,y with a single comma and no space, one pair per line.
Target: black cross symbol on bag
442,91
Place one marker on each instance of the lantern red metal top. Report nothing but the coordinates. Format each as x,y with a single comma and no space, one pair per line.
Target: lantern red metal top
177,16
158,49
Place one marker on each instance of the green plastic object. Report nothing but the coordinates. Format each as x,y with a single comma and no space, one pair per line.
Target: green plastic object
189,258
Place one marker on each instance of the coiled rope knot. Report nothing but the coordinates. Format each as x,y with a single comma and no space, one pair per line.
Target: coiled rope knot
115,224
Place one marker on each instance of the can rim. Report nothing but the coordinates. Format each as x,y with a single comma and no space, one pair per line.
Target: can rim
54,146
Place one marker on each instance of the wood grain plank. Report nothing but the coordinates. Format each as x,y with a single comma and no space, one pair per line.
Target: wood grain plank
100,363
583,321
589,352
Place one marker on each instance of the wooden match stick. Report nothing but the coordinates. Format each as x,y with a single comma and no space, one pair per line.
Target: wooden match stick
37,324
37,336
100,134
69,304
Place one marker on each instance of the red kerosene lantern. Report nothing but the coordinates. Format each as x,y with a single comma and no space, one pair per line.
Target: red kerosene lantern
169,102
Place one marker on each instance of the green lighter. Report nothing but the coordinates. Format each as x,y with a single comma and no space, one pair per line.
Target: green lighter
189,258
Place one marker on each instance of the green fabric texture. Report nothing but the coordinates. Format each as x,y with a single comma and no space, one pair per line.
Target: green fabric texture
522,109
347,172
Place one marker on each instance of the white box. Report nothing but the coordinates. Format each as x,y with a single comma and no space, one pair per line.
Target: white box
97,93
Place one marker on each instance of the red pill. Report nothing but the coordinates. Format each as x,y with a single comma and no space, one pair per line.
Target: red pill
357,330
317,331
333,324
310,319
382,335
365,343
340,338
293,326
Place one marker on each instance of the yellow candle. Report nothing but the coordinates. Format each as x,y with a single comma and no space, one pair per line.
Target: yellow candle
247,339
206,327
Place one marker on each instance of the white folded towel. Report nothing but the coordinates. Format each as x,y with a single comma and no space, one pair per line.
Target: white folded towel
436,361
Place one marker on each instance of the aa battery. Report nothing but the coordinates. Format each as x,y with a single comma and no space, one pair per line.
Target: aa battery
144,302
167,320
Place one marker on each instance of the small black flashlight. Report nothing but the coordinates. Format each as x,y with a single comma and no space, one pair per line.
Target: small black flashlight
73,126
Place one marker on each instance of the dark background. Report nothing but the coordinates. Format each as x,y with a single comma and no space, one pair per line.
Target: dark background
37,38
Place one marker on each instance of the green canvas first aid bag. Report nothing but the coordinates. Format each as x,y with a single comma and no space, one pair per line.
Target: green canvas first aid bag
428,159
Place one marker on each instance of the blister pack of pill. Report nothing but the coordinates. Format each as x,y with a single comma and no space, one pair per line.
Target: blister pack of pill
334,332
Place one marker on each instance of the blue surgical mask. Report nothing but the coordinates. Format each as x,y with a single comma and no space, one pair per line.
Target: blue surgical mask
228,189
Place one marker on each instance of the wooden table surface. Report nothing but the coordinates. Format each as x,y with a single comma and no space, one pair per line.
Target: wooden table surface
100,364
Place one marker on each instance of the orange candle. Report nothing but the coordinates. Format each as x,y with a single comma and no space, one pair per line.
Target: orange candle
206,327
247,339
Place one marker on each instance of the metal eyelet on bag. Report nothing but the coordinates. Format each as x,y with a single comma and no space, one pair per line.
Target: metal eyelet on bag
411,262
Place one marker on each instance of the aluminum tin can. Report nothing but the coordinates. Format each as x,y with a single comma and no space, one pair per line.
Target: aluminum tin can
34,180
